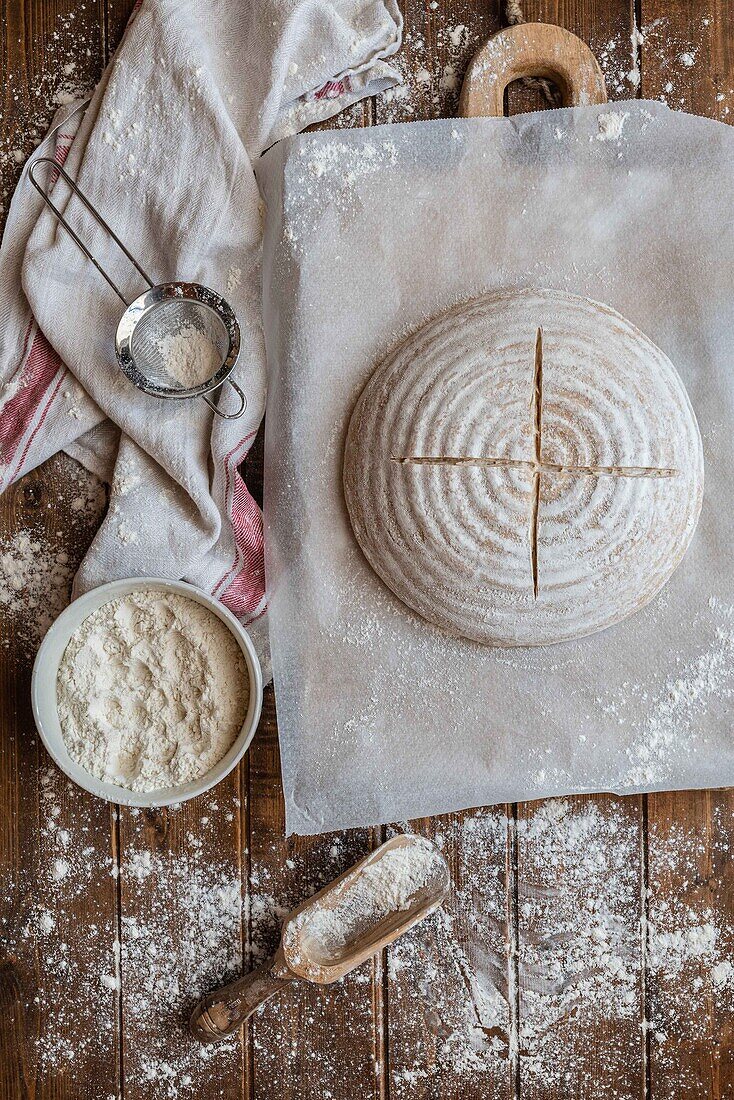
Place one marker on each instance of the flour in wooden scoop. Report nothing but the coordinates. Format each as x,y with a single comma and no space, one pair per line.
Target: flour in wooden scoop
393,883
152,691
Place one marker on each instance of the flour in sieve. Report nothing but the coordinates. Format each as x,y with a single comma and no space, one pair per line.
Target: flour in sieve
189,356
152,691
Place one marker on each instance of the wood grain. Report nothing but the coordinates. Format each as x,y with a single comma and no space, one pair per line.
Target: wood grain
688,60
528,52
311,1041
607,28
451,983
179,869
40,39
116,16
688,55
438,43
581,977
690,944
58,1030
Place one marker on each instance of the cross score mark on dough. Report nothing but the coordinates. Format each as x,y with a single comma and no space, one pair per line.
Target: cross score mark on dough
537,466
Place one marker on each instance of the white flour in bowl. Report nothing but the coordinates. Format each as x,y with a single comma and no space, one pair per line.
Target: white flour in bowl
152,691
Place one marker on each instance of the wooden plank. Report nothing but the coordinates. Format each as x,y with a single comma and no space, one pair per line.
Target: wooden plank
688,60
51,50
581,997
311,1041
181,885
57,897
321,1042
688,55
438,41
57,907
116,16
450,989
690,922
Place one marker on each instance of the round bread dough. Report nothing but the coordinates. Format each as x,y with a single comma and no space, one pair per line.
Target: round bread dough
524,469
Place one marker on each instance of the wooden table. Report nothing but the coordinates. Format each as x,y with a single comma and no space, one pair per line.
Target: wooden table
586,951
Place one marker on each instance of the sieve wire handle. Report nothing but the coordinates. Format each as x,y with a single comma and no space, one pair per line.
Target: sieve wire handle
218,411
95,214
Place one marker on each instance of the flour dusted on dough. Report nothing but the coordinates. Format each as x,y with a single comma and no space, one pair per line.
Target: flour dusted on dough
152,691
525,469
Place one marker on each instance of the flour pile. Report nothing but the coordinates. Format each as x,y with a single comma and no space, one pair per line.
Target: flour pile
152,691
188,356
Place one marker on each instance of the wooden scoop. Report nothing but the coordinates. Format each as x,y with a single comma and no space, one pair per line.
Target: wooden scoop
327,935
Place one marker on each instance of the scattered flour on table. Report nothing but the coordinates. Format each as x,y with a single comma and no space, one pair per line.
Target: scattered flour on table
585,927
681,62
72,64
37,565
188,356
152,691
34,582
433,61
164,972
583,919
578,953
180,928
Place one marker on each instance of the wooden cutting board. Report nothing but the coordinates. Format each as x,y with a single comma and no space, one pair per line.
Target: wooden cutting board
531,50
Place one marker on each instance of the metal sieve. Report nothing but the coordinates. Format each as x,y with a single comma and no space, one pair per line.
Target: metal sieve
165,313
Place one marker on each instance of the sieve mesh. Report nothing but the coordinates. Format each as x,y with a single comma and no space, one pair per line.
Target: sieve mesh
179,344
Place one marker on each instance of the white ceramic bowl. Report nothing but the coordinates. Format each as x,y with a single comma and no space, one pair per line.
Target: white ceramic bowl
43,693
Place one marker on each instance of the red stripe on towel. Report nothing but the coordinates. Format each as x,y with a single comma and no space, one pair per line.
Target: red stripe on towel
245,594
333,89
245,579
38,373
41,368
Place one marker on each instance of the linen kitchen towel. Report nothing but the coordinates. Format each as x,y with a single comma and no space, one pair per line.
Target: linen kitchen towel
165,150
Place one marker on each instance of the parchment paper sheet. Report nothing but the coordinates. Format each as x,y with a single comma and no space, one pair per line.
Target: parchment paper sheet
370,233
